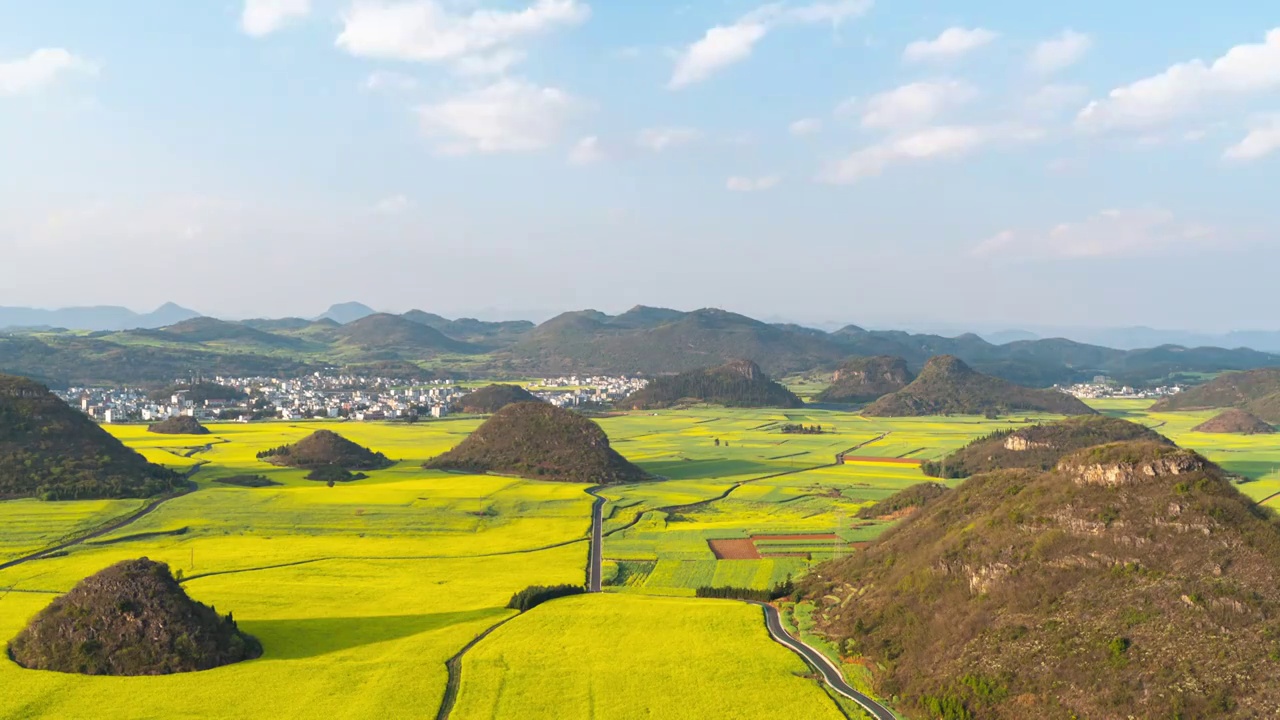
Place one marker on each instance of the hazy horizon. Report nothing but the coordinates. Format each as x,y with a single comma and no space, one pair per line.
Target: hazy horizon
826,161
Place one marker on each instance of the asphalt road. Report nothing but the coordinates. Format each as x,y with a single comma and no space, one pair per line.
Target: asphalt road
596,561
819,662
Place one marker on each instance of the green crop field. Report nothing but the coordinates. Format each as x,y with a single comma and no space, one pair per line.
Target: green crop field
360,592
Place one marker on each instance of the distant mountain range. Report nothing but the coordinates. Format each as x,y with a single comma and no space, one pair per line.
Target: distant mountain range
1132,338
173,342
102,317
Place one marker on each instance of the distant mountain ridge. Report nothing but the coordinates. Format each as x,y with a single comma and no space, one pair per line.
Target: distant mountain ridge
97,318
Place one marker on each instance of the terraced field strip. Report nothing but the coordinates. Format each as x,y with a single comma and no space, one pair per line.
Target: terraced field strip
882,460
761,547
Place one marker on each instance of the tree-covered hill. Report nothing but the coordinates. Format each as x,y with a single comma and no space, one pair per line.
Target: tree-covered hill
866,379
947,386
492,398
541,442
1130,580
52,451
323,449
1257,391
740,383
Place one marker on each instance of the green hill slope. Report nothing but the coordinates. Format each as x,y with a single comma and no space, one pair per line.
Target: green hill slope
866,379
1257,391
49,450
1132,580
1039,447
740,383
947,386
541,442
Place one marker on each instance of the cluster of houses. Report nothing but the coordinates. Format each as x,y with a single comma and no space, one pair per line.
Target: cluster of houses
1104,387
319,395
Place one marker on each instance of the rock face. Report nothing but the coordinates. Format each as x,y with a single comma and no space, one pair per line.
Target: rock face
1068,593
1040,447
740,383
132,618
541,442
1238,422
325,448
947,386
179,425
490,399
52,451
863,380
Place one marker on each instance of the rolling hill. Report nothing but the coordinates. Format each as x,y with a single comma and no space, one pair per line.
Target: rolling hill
492,398
52,451
740,383
325,449
1257,391
392,334
1235,422
947,386
1039,447
1131,580
866,379
542,442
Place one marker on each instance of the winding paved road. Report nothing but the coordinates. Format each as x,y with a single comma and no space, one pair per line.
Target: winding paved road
595,562
830,673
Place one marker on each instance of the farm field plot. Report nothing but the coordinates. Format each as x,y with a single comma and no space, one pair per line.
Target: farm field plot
31,525
611,656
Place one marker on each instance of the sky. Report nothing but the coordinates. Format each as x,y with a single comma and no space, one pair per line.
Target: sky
982,163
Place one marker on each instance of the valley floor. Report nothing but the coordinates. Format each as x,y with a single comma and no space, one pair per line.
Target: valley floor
361,592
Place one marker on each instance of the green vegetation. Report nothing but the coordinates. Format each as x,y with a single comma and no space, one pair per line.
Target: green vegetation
179,425
1257,391
740,383
947,386
1004,597
540,441
324,450
1237,422
866,379
492,398
1038,447
780,590
250,481
51,451
130,619
912,498
534,595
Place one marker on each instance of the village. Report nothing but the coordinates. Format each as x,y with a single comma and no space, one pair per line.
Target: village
1105,388
319,395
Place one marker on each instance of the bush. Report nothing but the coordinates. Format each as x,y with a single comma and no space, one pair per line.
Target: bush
534,595
782,589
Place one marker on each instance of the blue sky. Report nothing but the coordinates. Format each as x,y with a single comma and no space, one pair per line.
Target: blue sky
883,163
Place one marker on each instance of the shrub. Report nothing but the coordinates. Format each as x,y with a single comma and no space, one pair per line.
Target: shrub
534,595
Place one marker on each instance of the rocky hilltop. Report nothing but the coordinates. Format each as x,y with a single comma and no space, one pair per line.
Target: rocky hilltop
1039,447
53,451
867,379
947,386
1130,580
740,383
132,618
541,442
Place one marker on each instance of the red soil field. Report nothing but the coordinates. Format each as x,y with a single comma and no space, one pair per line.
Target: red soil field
734,549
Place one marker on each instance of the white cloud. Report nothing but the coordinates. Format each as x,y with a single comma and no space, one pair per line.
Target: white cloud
944,142
263,17
718,49
507,116
495,63
1053,100
1262,140
387,81
392,205
429,31
1061,52
1188,87
916,103
805,126
659,139
726,45
1110,233
40,69
752,184
586,151
950,44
